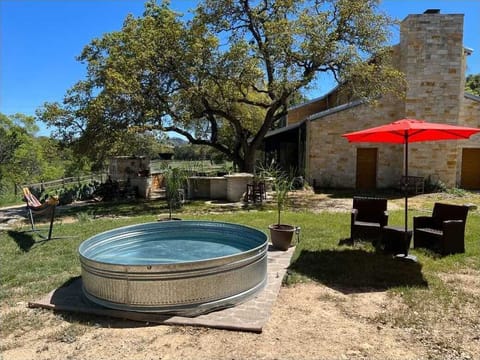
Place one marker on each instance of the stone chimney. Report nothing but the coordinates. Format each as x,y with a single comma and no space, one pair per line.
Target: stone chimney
433,60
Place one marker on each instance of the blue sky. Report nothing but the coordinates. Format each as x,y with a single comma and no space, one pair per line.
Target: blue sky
39,40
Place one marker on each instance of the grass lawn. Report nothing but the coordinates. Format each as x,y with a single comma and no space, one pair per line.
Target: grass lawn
31,268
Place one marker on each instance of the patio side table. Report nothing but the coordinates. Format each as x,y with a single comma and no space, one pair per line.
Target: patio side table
393,239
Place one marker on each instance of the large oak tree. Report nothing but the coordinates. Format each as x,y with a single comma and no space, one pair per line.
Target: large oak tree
224,76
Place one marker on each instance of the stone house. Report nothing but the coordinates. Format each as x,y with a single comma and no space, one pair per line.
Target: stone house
432,56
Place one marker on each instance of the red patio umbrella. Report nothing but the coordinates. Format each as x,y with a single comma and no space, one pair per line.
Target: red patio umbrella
406,131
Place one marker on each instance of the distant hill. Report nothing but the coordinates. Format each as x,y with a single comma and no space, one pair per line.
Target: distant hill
177,141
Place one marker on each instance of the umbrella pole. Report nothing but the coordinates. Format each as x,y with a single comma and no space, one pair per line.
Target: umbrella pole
405,234
406,192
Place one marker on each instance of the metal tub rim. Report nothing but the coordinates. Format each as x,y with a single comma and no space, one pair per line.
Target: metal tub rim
177,266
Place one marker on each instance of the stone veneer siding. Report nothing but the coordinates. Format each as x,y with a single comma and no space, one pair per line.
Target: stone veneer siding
332,159
432,58
469,116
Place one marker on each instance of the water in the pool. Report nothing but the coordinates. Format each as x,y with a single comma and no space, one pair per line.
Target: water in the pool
152,249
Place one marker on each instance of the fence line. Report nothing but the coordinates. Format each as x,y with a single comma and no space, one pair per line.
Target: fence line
101,177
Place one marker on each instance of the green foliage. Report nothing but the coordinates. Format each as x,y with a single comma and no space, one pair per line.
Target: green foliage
282,184
187,152
26,158
472,84
224,77
68,194
432,185
10,139
435,186
175,180
457,192
102,142
16,141
198,152
148,143
74,165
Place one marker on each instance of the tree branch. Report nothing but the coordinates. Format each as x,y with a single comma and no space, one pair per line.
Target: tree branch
261,46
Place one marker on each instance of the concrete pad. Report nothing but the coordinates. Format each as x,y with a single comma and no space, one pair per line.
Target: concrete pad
251,315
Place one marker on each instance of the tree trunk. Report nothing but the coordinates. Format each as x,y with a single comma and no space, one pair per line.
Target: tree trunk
249,161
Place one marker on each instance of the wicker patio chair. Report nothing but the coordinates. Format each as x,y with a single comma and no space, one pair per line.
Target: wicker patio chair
368,217
444,231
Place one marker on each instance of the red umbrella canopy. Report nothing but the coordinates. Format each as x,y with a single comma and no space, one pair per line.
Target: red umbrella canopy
411,130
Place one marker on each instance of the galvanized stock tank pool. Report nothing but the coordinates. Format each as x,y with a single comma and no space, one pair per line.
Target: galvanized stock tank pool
176,267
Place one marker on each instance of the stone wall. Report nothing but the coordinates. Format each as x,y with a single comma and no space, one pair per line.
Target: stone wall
332,159
432,58
469,116
124,167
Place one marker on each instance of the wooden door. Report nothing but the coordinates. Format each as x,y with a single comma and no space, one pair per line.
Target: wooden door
470,177
366,168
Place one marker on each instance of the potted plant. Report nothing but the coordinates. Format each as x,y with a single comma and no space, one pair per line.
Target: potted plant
281,235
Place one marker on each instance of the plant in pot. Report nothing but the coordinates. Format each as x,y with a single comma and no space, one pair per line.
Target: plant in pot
174,180
281,235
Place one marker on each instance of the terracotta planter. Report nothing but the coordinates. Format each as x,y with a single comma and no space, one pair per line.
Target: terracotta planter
281,236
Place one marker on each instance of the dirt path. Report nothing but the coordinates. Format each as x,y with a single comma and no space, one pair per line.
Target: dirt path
309,321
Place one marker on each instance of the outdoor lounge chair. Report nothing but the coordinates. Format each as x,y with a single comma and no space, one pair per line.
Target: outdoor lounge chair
368,217
444,231
35,207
